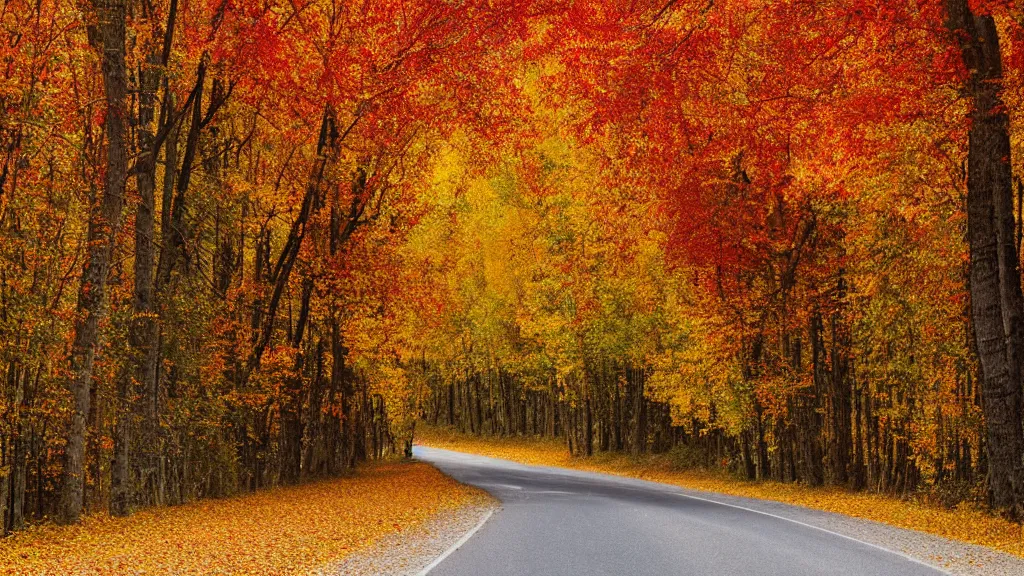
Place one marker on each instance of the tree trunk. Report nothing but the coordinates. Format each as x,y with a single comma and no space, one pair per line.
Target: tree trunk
639,412
119,481
617,410
840,445
588,428
291,407
144,331
326,150
104,222
5,496
763,465
996,301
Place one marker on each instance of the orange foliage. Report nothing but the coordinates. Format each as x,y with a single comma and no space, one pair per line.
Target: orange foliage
284,531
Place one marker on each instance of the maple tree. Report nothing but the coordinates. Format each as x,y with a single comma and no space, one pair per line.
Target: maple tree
804,168
249,244
218,234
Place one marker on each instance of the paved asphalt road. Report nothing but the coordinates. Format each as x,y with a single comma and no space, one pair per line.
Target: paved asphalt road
556,522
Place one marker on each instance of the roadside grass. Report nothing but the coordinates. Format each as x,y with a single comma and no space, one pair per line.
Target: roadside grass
965,523
284,531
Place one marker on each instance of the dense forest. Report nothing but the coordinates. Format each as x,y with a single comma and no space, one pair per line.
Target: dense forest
248,243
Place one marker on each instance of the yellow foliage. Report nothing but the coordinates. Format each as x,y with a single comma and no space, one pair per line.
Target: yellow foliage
276,532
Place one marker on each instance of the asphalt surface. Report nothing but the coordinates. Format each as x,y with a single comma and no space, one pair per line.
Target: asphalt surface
556,522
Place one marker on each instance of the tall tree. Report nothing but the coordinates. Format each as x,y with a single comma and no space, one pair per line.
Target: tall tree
997,305
105,210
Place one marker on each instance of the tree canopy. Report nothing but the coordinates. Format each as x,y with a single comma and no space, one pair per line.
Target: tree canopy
249,243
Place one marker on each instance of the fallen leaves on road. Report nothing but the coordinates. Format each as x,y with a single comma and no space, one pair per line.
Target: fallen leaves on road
284,531
965,523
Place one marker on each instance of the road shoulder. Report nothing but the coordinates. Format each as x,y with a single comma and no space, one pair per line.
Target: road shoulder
953,556
409,552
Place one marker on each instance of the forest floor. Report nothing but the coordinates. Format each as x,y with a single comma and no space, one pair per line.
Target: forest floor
295,530
966,523
410,552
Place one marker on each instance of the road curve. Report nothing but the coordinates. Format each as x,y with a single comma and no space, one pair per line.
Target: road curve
557,522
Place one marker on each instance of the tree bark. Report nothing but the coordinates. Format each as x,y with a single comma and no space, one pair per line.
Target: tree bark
840,446
997,304
104,222
291,409
327,144
143,334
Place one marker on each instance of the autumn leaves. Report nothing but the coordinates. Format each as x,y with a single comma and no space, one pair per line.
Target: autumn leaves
246,245
200,216
293,531
760,225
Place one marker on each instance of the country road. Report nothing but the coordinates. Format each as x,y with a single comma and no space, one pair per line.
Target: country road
556,522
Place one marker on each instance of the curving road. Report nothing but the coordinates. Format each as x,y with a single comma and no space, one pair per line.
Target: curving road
556,522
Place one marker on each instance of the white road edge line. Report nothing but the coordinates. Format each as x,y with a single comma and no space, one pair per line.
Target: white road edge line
506,486
465,538
819,528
